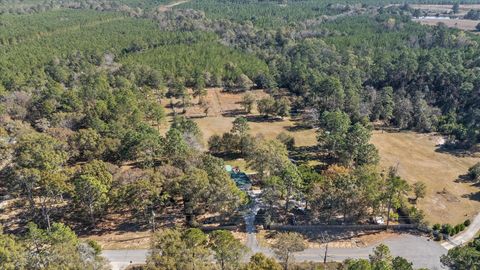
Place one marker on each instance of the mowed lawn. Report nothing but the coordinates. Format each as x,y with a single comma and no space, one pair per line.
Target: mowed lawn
448,200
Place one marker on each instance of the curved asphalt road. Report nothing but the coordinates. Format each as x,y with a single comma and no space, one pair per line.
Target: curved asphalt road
420,250
464,236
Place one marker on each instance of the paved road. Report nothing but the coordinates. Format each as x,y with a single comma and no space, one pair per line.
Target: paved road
464,236
423,252
420,250
120,259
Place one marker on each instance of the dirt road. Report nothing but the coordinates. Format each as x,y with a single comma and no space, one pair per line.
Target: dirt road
164,8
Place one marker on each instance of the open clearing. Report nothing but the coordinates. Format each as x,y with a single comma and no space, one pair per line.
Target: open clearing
219,125
224,106
418,159
445,9
468,25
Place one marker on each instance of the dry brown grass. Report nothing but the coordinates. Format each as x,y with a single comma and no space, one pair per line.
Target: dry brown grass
418,160
219,125
265,238
223,105
123,240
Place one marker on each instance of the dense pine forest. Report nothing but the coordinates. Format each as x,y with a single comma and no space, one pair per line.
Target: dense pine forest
87,88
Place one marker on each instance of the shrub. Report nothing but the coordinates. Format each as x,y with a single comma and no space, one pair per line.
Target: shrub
448,229
286,139
95,246
474,172
436,227
439,237
467,222
456,229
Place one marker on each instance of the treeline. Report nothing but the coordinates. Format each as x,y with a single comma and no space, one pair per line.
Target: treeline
131,7
384,68
206,62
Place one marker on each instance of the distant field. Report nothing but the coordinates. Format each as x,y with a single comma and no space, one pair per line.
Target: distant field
446,8
418,160
446,11
468,25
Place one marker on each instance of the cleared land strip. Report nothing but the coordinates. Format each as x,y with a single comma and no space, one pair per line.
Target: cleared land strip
164,8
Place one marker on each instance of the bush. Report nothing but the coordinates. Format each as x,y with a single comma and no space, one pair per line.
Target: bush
474,172
448,229
439,237
287,140
467,222
95,246
436,227
459,228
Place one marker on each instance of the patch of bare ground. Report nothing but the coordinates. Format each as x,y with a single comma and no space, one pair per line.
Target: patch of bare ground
122,240
419,158
164,8
356,241
10,213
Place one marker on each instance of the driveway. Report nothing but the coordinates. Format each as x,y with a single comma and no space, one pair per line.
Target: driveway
120,259
419,250
464,236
